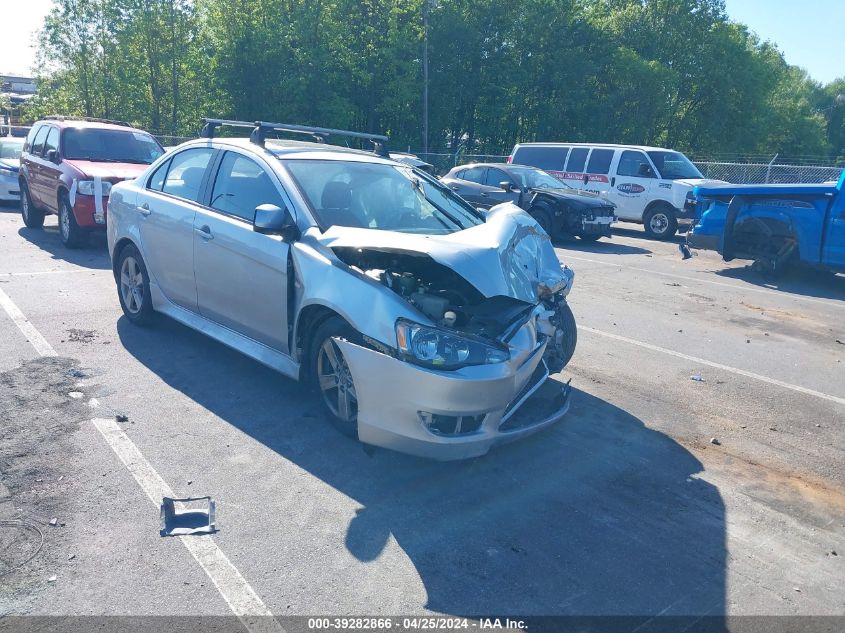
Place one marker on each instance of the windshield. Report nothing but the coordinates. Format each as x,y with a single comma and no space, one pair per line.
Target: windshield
674,165
380,196
110,146
10,150
529,178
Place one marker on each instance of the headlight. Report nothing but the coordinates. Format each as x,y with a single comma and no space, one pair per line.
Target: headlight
86,187
442,349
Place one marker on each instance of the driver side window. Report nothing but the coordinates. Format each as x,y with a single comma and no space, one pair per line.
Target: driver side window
241,186
495,176
634,164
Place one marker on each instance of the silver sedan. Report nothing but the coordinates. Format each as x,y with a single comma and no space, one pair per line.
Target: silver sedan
425,326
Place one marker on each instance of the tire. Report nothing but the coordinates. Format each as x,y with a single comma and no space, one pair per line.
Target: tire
133,286
566,323
660,222
543,217
71,234
33,218
331,377
591,237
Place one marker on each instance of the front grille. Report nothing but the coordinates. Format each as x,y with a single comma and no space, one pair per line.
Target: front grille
542,404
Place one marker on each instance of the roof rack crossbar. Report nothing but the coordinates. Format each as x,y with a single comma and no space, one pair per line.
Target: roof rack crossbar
90,119
260,129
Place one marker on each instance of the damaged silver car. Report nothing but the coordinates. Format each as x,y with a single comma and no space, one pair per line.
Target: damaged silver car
426,326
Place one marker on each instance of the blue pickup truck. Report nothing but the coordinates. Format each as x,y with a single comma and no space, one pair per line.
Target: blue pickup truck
775,226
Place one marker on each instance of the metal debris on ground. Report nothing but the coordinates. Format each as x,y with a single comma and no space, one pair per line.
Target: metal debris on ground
187,520
697,378
75,394
54,522
715,441
121,418
52,579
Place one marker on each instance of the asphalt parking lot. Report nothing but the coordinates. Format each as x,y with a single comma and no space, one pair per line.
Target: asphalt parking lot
658,495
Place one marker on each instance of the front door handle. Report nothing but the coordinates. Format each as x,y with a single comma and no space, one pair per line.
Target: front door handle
144,209
204,232
613,181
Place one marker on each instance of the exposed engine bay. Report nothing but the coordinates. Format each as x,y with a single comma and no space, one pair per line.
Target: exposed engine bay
451,302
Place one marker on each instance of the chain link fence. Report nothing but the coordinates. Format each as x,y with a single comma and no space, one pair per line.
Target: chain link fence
734,172
761,173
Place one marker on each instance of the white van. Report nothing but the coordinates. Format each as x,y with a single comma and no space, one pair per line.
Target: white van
650,185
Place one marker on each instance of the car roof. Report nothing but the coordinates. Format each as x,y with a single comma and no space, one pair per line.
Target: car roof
289,149
645,148
96,125
503,166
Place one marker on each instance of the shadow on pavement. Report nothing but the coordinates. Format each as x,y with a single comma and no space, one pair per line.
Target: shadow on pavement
604,245
637,232
598,515
798,280
93,255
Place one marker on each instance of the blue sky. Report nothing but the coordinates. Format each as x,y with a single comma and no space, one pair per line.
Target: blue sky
809,33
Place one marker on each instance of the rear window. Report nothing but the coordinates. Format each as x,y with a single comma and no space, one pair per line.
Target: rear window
600,161
577,159
551,158
110,146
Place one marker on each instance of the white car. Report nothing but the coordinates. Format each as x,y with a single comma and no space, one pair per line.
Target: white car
649,185
426,326
10,159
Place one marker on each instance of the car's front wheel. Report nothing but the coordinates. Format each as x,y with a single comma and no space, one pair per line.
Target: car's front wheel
133,286
71,234
33,218
331,375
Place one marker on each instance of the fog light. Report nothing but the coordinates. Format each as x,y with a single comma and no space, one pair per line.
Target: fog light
450,425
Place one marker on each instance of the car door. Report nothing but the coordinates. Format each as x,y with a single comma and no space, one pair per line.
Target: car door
166,212
468,184
35,178
576,165
492,193
598,170
49,170
834,239
632,189
241,275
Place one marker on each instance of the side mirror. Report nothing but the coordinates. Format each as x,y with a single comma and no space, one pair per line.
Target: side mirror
505,185
271,219
52,156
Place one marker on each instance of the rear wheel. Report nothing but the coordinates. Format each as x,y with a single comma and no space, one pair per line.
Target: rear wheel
133,286
591,237
33,218
331,375
71,234
660,222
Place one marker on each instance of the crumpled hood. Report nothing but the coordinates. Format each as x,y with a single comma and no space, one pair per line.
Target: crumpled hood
509,255
113,172
578,199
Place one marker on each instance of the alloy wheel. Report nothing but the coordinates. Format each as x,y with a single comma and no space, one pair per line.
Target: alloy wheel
335,382
132,285
658,223
64,221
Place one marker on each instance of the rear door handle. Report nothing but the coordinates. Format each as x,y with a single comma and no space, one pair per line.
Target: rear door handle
144,209
204,232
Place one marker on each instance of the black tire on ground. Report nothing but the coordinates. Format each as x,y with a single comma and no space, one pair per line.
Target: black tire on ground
543,215
660,222
71,234
570,333
133,286
591,237
330,375
33,218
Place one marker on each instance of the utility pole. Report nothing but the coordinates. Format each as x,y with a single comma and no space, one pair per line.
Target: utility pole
426,4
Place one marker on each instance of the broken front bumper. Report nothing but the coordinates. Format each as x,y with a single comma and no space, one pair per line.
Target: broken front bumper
398,401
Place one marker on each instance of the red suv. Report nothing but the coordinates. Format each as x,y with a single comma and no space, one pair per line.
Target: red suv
68,166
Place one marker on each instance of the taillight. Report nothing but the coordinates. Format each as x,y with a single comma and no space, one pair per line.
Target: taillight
509,159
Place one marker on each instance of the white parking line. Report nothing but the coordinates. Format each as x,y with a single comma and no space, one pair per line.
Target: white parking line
32,335
51,272
768,291
233,587
708,363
